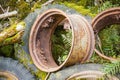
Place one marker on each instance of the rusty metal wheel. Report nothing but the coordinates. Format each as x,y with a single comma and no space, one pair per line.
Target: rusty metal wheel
91,75
40,39
82,72
4,75
13,70
105,18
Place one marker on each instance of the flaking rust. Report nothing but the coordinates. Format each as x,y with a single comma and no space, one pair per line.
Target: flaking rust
103,19
40,39
48,22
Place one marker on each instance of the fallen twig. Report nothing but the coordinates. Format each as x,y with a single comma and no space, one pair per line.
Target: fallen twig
8,14
11,31
48,2
14,39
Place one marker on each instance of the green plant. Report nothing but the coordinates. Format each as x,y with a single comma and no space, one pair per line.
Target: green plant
112,68
105,5
97,59
110,40
109,45
61,43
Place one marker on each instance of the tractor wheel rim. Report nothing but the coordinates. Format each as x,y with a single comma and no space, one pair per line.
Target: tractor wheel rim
40,45
105,18
7,75
91,75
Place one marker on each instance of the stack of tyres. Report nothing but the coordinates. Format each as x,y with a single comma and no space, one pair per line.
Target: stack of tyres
39,32
22,51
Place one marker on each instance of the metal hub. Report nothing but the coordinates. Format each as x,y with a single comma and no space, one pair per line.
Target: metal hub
40,39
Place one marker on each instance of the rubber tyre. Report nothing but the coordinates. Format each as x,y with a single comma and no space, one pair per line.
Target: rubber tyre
67,72
29,20
23,49
14,67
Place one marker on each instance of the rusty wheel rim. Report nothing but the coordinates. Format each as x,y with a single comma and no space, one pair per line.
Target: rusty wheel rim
40,43
105,18
8,75
90,75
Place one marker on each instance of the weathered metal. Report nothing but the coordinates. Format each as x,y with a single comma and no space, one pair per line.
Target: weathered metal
40,39
105,18
7,75
91,75
80,71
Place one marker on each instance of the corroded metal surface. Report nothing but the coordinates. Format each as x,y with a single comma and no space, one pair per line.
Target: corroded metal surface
108,17
7,75
40,39
91,75
90,70
105,18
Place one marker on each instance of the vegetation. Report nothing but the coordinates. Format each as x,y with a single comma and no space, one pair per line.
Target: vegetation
110,41
61,44
112,68
79,8
26,60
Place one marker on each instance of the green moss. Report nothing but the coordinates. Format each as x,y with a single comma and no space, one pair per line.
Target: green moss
7,51
7,35
21,6
26,60
24,9
79,8
36,5
15,39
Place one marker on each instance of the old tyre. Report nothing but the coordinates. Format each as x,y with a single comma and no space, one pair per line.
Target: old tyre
13,70
22,50
40,39
105,18
86,71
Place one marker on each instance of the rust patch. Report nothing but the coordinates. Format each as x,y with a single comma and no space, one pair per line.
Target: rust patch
105,18
40,39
